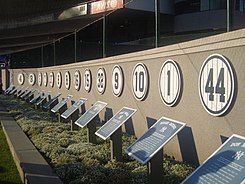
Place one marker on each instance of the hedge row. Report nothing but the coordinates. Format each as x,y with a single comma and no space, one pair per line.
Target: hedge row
75,160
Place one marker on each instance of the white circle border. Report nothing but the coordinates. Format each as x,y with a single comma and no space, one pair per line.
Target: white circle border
148,76
103,69
46,81
121,70
49,78
23,77
91,82
80,78
67,73
40,79
34,79
56,79
227,63
179,86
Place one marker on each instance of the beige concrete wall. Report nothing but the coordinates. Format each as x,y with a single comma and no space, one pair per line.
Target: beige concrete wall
5,79
203,134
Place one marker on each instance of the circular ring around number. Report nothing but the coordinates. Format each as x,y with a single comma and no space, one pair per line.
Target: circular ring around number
51,79
77,80
67,80
87,80
140,81
21,78
59,79
170,83
101,80
32,79
117,80
39,79
216,84
45,79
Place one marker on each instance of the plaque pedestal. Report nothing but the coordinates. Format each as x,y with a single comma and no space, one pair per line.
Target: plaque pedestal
91,129
20,94
60,111
59,117
116,145
73,118
50,106
41,104
155,168
54,104
28,98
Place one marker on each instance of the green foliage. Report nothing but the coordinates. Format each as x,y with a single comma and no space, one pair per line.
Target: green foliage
75,160
70,172
8,170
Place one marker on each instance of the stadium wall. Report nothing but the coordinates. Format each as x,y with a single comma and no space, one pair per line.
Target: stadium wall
204,133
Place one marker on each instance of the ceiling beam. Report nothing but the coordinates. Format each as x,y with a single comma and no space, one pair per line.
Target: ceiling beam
56,27
18,49
29,40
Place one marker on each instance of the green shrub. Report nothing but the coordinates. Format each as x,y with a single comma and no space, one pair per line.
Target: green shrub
70,172
93,175
64,158
80,148
75,160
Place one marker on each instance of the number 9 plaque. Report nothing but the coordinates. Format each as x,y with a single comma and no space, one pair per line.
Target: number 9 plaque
117,80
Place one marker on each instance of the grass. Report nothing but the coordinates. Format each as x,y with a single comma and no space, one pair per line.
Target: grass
8,171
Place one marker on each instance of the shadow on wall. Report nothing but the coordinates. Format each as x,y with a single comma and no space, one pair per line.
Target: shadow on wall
187,146
223,139
186,143
108,115
129,126
83,109
150,122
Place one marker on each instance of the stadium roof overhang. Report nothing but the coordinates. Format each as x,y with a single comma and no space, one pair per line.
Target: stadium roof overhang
41,33
16,37
31,36
15,10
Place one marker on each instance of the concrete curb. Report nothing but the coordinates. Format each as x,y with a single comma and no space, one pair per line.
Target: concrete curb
32,167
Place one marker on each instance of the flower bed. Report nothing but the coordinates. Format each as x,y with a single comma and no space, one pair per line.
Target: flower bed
75,160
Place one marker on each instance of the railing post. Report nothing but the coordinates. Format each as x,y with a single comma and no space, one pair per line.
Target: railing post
157,23
230,11
104,35
42,56
54,54
75,45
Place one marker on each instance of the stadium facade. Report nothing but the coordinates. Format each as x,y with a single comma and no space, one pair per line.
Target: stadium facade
192,33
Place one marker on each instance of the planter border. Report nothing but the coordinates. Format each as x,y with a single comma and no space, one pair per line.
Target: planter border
32,167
